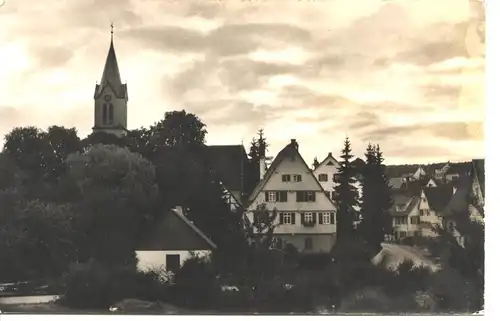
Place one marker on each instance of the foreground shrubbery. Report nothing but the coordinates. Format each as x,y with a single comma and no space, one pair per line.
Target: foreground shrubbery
350,284
94,285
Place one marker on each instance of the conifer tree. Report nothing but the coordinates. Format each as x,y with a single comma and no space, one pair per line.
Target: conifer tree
377,200
315,163
345,195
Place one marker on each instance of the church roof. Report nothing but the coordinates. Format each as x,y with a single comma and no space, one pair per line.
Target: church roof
111,75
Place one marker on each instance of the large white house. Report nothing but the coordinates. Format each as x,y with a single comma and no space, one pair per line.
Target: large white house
306,215
325,173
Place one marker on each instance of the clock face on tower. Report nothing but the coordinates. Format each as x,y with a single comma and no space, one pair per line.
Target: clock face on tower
107,97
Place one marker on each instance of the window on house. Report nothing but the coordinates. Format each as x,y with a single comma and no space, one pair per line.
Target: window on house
326,218
287,218
401,220
271,197
422,212
308,217
402,234
329,163
306,196
173,262
285,178
297,178
323,177
281,196
277,243
308,243
415,220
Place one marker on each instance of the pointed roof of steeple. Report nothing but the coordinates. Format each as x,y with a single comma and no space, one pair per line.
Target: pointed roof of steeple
111,73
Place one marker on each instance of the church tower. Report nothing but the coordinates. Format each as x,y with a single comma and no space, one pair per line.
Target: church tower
110,98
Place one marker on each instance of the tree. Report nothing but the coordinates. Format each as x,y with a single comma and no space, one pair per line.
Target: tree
40,157
118,199
345,195
139,141
178,128
36,240
259,230
462,250
257,151
315,163
377,200
102,138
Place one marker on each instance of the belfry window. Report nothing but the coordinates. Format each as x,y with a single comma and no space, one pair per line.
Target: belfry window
111,113
104,114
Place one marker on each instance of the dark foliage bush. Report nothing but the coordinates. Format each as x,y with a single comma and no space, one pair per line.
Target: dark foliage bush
196,284
94,285
314,261
274,297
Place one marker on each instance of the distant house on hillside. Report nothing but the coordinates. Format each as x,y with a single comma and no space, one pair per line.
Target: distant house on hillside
433,203
171,242
405,215
306,214
230,164
452,171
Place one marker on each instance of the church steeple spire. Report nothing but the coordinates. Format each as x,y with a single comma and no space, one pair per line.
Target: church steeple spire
111,97
111,73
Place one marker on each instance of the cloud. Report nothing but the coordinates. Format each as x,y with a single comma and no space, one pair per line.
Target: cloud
446,130
320,70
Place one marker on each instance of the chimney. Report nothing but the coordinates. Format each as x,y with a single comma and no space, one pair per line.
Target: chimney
179,210
330,154
262,167
293,141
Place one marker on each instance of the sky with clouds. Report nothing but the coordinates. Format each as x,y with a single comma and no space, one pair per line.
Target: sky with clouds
406,74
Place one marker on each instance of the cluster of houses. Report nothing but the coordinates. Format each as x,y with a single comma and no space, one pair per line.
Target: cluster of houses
424,196
302,196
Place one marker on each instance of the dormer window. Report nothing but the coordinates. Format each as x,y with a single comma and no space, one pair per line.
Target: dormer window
323,177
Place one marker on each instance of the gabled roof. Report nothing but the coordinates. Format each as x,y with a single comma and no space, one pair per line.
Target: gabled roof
459,200
396,182
439,197
174,232
290,150
358,164
111,76
229,163
403,198
329,160
478,171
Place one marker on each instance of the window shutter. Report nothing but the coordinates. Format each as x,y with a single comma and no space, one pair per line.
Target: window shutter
320,218
313,196
332,218
297,195
302,218
284,196
314,217
293,218
281,218
267,196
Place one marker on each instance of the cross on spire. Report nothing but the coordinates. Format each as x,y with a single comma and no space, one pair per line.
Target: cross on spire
112,26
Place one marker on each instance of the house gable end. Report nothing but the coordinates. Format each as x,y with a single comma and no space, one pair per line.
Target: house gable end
287,161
